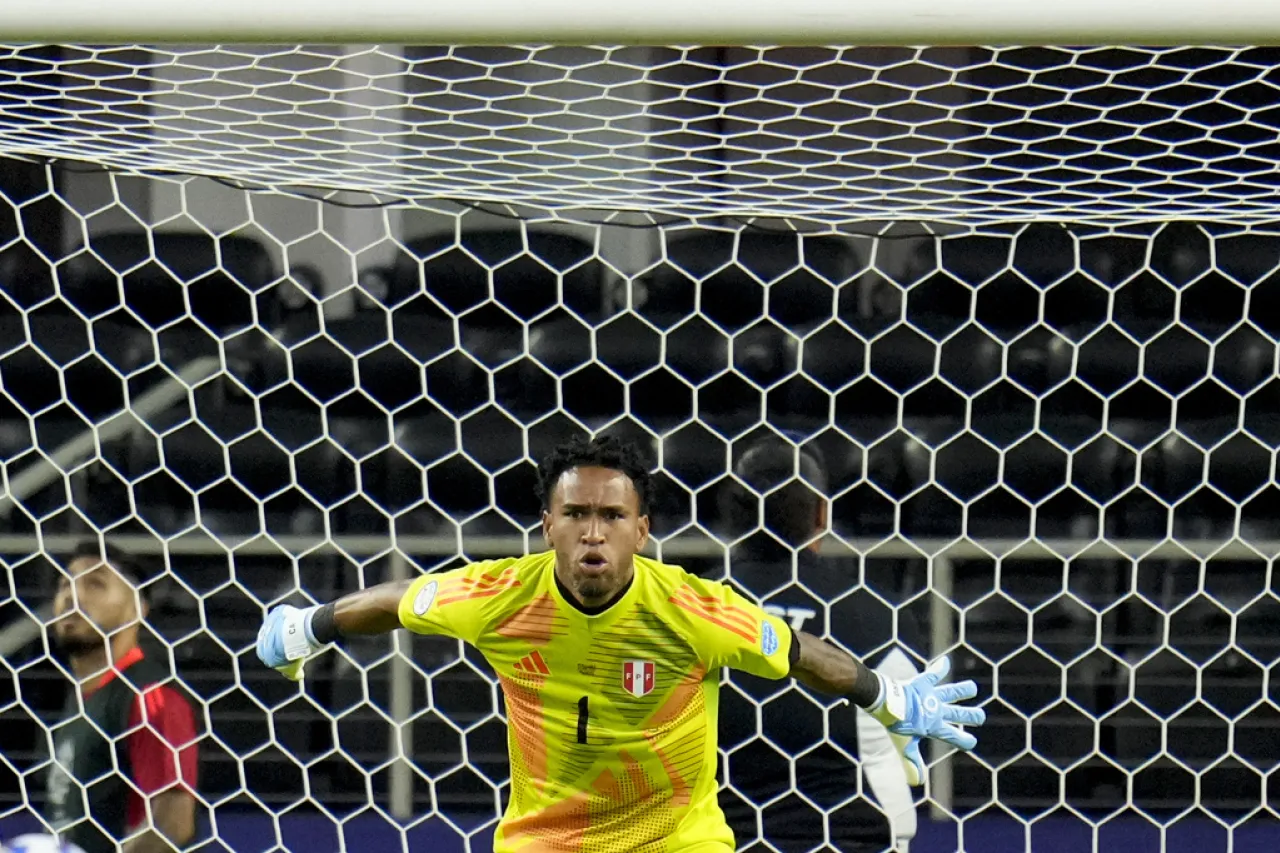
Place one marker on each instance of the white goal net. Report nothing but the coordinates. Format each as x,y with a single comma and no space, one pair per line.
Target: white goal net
290,321
826,134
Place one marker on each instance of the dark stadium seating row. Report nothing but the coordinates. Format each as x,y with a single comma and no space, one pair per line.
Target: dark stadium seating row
365,361
1143,283
901,357
1173,322
830,372
426,471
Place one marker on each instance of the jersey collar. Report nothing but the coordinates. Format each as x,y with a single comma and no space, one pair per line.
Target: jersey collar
598,609
130,658
597,616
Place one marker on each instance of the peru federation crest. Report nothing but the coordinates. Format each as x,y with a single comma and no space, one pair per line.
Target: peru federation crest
637,677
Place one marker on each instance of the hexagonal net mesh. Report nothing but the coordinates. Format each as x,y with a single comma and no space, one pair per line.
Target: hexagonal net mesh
832,135
1049,446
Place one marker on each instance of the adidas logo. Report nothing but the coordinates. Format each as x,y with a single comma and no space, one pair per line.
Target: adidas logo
533,664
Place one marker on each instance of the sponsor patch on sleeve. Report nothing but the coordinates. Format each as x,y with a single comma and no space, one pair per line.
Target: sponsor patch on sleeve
768,639
426,595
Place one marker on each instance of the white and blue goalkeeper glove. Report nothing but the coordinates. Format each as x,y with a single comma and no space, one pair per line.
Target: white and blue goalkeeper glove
285,641
920,708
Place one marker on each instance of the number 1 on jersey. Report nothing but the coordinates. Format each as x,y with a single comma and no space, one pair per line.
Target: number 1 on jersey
582,720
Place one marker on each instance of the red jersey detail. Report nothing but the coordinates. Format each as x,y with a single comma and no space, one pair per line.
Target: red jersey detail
161,740
130,658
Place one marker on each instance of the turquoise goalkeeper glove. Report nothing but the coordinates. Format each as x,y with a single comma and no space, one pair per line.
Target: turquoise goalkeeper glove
285,641
920,708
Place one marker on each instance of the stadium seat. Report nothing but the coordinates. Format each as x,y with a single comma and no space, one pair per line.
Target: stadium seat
971,261
1242,360
430,475
491,439
393,476
24,441
1108,361
229,482
561,344
1240,466
785,276
455,271
26,277
645,435
628,346
697,351
157,275
903,358
458,279
1173,471
1007,306
1258,631
135,290
1144,306
694,456
928,267
380,357
41,341
1034,468
972,360
1112,259
1045,254
829,358
1247,258
391,373
92,358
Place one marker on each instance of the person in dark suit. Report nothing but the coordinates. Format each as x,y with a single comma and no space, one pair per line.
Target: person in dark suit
863,806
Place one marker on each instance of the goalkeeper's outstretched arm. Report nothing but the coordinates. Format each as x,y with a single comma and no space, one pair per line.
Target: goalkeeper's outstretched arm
919,708
291,635
375,610
828,669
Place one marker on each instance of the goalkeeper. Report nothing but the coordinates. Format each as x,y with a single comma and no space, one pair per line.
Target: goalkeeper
609,663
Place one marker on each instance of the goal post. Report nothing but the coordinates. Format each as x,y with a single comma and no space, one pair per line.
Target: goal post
286,321
805,22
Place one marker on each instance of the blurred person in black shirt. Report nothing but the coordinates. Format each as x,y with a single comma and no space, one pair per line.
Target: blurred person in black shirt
836,803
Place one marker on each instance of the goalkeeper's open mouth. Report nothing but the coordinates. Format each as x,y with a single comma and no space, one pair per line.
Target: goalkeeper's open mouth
593,563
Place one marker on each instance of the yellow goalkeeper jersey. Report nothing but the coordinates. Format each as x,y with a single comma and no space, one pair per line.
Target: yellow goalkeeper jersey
612,716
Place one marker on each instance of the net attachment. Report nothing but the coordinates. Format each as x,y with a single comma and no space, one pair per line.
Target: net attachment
1051,443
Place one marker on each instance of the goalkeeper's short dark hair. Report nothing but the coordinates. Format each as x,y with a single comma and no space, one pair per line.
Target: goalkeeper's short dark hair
119,559
791,479
600,452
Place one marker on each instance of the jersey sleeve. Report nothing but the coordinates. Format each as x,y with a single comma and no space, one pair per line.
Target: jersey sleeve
456,603
728,629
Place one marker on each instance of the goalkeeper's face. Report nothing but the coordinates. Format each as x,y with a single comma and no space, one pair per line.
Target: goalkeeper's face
94,603
595,526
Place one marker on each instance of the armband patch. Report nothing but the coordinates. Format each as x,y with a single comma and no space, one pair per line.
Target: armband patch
426,595
768,639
